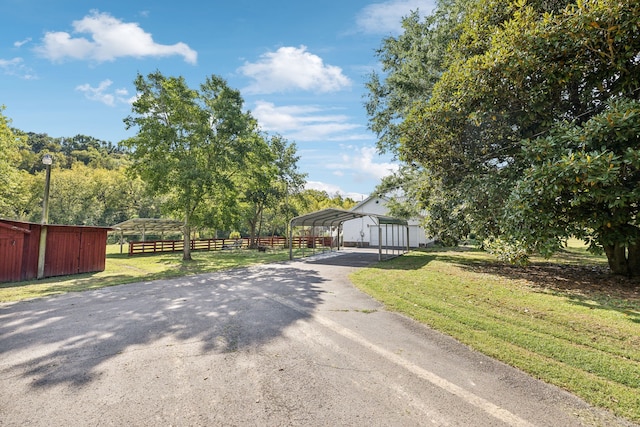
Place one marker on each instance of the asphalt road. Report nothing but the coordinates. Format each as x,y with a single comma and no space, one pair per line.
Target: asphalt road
283,344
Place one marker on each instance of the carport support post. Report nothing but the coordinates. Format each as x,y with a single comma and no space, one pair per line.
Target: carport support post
408,243
379,243
393,240
290,240
313,238
386,240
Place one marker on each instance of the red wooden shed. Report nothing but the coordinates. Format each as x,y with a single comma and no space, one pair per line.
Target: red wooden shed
71,249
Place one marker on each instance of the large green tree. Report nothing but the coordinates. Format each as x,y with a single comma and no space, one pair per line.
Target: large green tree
584,180
514,76
269,180
10,176
189,142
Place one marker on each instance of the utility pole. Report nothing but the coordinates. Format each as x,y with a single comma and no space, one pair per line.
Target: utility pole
47,160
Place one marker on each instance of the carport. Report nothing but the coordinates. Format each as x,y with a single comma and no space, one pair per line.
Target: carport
144,226
398,229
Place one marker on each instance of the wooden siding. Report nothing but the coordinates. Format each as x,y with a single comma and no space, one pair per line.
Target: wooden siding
11,248
30,253
93,246
63,251
70,250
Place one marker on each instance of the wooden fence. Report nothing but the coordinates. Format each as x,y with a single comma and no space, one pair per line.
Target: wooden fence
156,246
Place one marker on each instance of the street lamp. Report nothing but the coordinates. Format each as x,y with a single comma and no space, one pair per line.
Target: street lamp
47,160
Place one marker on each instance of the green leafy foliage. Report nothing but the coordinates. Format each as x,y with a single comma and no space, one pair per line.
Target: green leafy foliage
10,177
584,180
189,143
267,183
519,77
88,185
311,200
68,151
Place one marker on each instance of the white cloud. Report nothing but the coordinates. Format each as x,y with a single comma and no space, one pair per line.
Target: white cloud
307,123
386,17
20,43
110,39
10,63
102,93
16,67
361,162
291,68
332,190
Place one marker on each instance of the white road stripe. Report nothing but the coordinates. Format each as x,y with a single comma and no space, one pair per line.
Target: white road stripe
469,397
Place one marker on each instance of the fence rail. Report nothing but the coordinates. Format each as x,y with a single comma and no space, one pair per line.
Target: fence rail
156,246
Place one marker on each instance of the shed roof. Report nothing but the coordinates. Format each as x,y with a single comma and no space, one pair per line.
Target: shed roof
13,227
147,225
11,223
333,216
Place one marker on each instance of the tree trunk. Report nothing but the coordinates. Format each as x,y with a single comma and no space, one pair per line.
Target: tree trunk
252,234
616,256
634,260
259,233
186,251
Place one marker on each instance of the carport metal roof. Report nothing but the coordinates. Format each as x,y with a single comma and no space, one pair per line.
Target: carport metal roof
334,216
143,226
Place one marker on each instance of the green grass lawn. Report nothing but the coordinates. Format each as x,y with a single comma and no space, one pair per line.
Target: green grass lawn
121,268
563,321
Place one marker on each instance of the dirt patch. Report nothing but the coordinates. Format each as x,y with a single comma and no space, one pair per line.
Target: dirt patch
576,279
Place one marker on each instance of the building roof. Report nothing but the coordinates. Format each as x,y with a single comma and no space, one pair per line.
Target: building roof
143,226
332,216
361,205
14,227
26,224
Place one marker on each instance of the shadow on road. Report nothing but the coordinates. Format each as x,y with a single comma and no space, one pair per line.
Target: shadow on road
64,339
345,258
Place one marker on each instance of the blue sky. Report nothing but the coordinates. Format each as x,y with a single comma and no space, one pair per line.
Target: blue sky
67,67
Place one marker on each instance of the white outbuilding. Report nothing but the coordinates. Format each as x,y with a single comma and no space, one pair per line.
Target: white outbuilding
365,232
